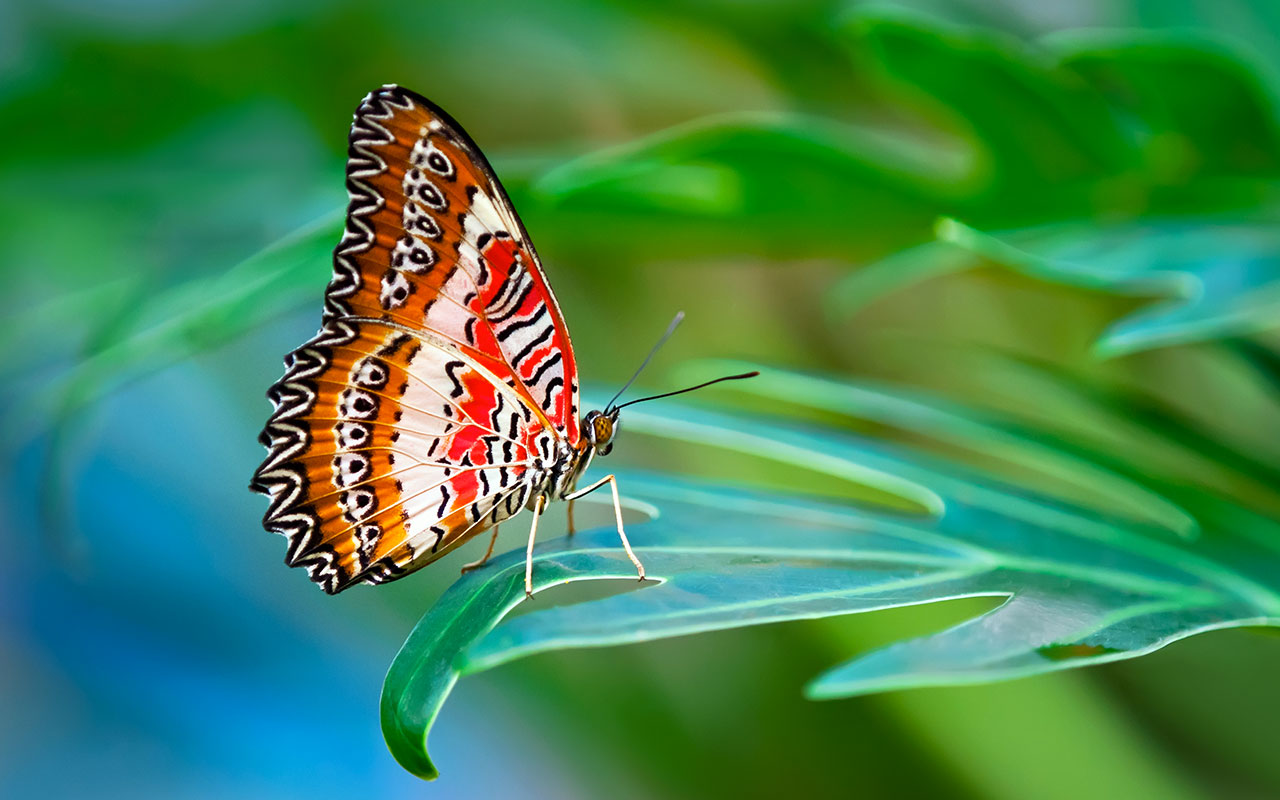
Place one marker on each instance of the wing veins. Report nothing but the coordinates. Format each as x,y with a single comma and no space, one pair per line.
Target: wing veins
406,498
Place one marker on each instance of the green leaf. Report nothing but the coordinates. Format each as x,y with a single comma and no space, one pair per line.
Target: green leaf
1202,105
1032,122
1217,277
1082,587
747,182
1083,123
1034,458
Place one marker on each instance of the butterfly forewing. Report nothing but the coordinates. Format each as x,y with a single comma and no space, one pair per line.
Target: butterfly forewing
434,243
442,378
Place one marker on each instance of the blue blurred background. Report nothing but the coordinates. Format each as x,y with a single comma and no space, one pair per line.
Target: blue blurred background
151,641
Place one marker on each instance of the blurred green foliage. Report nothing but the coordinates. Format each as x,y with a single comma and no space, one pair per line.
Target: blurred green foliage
1027,263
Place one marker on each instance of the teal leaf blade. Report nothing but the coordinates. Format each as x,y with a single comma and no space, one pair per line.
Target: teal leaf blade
1081,587
1072,632
1215,277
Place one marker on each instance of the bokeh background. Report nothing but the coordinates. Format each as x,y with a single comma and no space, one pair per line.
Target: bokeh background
775,169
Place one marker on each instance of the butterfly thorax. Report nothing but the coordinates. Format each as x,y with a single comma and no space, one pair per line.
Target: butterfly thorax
560,474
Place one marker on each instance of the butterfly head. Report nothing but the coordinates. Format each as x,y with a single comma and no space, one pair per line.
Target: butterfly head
600,427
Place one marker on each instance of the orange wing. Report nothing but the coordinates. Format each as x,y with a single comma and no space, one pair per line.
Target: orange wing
432,242
389,449
442,381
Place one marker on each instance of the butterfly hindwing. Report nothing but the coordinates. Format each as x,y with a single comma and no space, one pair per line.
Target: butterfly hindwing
391,448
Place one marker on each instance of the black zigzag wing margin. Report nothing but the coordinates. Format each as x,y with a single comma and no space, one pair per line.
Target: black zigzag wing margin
363,163
286,436
287,433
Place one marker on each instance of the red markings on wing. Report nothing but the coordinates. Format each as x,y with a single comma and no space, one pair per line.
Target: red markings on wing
372,480
445,280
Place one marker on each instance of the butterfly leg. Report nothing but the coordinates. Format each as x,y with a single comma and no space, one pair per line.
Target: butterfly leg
528,553
571,527
485,558
617,511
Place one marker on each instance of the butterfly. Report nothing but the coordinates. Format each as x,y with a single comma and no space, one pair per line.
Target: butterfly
440,395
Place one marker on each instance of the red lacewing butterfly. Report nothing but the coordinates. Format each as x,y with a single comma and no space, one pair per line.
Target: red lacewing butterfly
440,395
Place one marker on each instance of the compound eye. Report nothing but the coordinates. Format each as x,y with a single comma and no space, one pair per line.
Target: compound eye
603,429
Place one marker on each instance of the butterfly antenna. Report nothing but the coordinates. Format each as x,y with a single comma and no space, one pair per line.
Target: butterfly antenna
751,374
675,322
